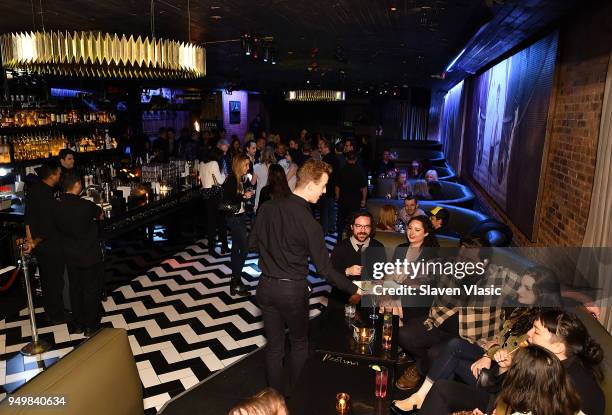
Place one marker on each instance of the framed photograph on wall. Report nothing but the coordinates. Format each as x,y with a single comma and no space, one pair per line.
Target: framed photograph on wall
234,112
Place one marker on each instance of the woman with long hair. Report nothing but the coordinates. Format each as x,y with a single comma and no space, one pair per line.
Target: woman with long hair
260,172
234,194
435,188
420,233
211,176
561,333
277,186
421,190
537,384
421,241
387,218
236,146
465,360
400,188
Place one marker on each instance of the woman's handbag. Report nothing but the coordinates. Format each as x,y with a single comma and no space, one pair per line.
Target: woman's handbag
211,192
227,207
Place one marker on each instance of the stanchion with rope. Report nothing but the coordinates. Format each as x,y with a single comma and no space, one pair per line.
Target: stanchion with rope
37,345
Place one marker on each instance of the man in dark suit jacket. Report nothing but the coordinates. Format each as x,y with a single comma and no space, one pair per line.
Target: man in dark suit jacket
76,221
355,256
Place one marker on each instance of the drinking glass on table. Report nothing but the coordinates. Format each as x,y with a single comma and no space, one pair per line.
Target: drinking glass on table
374,297
382,376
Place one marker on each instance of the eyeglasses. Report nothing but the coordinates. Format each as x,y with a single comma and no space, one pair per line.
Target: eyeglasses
356,226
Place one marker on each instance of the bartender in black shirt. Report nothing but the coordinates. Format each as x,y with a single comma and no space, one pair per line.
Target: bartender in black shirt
286,234
66,157
42,238
76,221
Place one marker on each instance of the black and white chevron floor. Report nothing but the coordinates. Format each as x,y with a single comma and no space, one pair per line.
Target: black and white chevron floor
182,323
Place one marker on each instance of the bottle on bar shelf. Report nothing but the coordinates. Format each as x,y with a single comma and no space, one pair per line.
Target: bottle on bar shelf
30,146
42,117
5,150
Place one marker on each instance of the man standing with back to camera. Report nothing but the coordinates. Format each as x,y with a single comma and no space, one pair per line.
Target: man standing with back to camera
76,222
286,234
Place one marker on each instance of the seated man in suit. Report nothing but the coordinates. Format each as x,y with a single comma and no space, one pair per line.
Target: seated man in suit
349,255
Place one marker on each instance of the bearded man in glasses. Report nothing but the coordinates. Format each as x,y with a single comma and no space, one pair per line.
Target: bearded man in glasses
350,255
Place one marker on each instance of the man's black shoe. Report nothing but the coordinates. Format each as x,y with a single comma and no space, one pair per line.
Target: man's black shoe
74,328
238,288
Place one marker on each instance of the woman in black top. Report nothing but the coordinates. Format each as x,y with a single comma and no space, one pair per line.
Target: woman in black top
277,186
234,195
537,383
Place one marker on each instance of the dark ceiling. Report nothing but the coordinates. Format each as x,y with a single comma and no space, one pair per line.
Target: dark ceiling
357,43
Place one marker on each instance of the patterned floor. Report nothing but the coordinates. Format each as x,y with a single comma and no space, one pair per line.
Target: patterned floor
182,323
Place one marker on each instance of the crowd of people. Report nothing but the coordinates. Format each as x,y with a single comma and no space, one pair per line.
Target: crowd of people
453,346
521,351
511,350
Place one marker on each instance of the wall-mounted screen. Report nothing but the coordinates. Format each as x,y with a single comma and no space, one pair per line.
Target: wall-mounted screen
506,129
234,112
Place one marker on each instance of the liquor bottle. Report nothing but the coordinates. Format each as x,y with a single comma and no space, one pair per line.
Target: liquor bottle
5,150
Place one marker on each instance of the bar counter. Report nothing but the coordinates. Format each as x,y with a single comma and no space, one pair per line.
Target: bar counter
137,213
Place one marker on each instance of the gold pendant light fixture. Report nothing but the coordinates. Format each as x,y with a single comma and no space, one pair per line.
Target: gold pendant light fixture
315,95
102,55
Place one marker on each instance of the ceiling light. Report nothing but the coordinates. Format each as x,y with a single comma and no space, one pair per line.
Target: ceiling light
104,55
315,95
216,17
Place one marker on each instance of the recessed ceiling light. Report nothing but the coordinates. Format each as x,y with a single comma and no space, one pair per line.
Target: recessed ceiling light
290,52
215,7
216,17
393,9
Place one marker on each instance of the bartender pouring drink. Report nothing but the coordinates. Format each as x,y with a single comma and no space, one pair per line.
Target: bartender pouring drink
286,234
76,222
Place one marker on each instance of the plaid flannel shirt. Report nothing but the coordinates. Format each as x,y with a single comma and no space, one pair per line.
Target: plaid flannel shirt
483,319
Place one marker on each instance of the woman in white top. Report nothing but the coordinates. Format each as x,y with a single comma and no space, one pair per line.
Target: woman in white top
210,175
260,172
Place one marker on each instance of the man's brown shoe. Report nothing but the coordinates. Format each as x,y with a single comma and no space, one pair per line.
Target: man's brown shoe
410,379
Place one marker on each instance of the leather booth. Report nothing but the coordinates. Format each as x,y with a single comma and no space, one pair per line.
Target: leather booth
426,144
405,156
445,174
511,258
462,221
99,377
452,193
